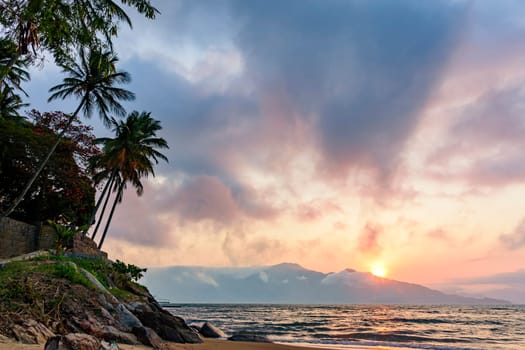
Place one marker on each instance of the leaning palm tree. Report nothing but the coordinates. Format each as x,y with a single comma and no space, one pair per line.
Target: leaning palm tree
93,81
131,153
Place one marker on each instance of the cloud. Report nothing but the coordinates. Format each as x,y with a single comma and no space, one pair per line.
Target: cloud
205,197
369,238
208,198
515,239
358,71
516,278
203,277
316,209
263,276
486,141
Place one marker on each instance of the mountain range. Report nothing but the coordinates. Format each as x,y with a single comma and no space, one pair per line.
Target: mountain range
290,284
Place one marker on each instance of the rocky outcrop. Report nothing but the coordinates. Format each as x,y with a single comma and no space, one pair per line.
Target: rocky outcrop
209,330
49,306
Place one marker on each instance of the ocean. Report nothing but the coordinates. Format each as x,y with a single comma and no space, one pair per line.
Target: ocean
347,326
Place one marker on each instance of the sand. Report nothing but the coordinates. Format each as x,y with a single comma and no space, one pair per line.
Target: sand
207,345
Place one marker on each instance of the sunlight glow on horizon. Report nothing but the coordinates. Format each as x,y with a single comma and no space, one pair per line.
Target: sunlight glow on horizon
378,269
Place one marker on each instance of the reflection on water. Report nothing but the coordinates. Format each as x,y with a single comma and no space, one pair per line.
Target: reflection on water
427,327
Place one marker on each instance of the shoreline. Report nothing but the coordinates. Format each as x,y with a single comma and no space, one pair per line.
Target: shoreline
216,344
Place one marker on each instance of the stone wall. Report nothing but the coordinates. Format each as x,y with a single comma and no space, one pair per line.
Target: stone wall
17,238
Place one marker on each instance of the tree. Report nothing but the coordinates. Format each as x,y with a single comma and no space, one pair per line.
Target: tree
131,153
10,104
92,80
10,101
64,191
62,27
17,73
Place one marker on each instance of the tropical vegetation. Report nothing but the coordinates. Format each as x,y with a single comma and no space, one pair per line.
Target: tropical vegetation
51,164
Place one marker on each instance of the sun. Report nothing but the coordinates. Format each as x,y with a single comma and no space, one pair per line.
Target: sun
378,269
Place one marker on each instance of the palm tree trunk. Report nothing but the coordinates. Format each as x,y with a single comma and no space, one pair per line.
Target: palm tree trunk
103,209
99,201
117,199
43,163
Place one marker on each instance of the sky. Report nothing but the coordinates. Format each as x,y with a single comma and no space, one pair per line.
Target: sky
332,134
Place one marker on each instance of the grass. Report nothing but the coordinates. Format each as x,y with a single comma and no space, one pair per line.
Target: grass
68,268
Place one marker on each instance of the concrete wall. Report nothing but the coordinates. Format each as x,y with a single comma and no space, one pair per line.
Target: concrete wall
17,238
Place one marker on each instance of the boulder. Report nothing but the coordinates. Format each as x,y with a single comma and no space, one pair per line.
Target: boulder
31,332
80,341
111,333
250,337
127,320
53,343
73,341
209,330
147,336
195,328
167,326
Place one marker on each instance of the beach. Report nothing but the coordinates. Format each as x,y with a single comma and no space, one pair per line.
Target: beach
209,344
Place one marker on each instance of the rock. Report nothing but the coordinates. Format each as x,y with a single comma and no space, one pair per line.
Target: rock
140,306
80,341
147,336
167,326
111,333
104,345
209,330
249,337
31,332
98,285
127,320
53,343
195,328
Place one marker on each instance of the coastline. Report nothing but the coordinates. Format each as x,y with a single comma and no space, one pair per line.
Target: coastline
211,344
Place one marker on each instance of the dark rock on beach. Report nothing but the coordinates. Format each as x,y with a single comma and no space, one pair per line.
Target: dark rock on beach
250,337
167,326
209,330
147,336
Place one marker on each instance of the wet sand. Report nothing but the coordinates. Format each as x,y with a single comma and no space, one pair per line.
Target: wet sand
207,345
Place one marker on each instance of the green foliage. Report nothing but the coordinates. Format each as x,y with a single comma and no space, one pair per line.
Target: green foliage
123,294
100,268
64,188
64,235
134,272
94,79
60,27
70,272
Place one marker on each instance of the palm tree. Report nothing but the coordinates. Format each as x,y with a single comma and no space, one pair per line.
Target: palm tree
92,80
15,72
131,153
10,103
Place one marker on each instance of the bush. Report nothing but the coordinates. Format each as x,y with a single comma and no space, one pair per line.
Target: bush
132,271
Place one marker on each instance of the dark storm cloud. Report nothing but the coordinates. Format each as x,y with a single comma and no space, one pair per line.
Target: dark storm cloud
361,69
